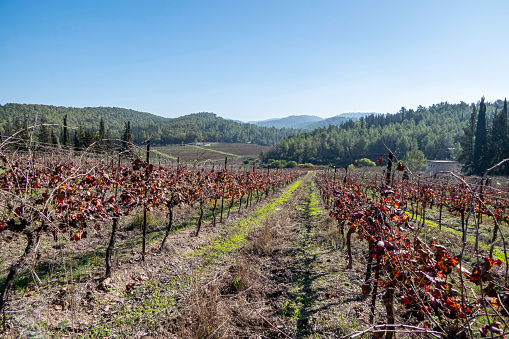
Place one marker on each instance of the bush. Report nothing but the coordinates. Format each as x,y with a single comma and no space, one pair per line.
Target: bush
306,165
365,162
291,164
278,163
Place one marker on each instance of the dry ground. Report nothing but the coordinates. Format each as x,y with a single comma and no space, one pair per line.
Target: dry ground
274,271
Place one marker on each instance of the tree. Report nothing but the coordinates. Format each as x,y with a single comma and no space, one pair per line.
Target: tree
102,136
498,137
415,160
44,135
65,133
481,159
291,164
53,138
467,142
127,137
110,144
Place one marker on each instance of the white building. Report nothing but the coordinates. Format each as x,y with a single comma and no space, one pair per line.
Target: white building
435,166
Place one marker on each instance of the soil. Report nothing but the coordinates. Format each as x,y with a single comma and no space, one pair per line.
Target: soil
284,276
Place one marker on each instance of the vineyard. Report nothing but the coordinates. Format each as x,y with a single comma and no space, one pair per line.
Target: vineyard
445,287
125,245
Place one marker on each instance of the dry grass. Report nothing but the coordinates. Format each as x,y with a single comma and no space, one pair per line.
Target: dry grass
329,233
226,305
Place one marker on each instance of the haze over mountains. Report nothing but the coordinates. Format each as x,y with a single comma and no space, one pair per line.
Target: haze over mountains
309,122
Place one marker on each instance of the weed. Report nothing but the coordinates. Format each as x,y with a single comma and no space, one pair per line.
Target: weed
236,283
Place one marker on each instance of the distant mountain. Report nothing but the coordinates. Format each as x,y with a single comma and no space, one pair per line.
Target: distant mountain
293,121
309,122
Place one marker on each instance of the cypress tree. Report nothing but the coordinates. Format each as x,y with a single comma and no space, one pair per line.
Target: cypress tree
54,140
110,145
481,141
102,136
77,140
44,136
498,137
127,137
467,142
65,133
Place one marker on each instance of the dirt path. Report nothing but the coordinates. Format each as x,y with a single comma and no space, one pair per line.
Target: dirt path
275,272
288,280
318,298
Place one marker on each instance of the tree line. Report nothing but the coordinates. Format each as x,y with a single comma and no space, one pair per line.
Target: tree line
436,131
198,127
485,140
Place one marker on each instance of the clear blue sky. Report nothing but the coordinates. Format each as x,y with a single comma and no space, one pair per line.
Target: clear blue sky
253,60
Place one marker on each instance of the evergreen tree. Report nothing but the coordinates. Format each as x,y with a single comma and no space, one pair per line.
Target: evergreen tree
110,145
481,160
78,138
467,142
127,137
102,135
53,138
65,133
44,135
498,137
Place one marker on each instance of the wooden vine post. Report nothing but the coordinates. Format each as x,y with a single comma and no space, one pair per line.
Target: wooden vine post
145,207
389,167
222,195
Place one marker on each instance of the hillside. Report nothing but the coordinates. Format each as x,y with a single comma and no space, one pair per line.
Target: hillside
437,131
206,127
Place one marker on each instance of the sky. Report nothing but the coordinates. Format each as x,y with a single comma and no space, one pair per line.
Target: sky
253,60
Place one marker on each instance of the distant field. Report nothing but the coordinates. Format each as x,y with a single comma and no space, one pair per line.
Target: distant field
211,151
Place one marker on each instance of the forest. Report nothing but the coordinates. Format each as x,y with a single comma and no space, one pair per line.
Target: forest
196,127
440,131
475,135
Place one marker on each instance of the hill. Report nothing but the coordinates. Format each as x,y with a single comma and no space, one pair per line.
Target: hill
437,131
201,127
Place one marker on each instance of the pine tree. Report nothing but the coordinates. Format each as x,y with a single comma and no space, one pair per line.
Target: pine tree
467,142
481,159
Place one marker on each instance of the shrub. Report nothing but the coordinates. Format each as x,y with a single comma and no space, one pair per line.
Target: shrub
365,162
306,165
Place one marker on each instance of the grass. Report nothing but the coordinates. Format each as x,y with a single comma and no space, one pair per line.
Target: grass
216,151
239,231
147,304
498,252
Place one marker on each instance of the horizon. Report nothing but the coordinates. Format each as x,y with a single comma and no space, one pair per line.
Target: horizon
253,62
264,120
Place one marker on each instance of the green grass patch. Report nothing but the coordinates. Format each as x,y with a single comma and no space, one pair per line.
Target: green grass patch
164,154
239,231
215,151
498,253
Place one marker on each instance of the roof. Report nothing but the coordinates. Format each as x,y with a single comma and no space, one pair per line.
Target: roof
443,161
